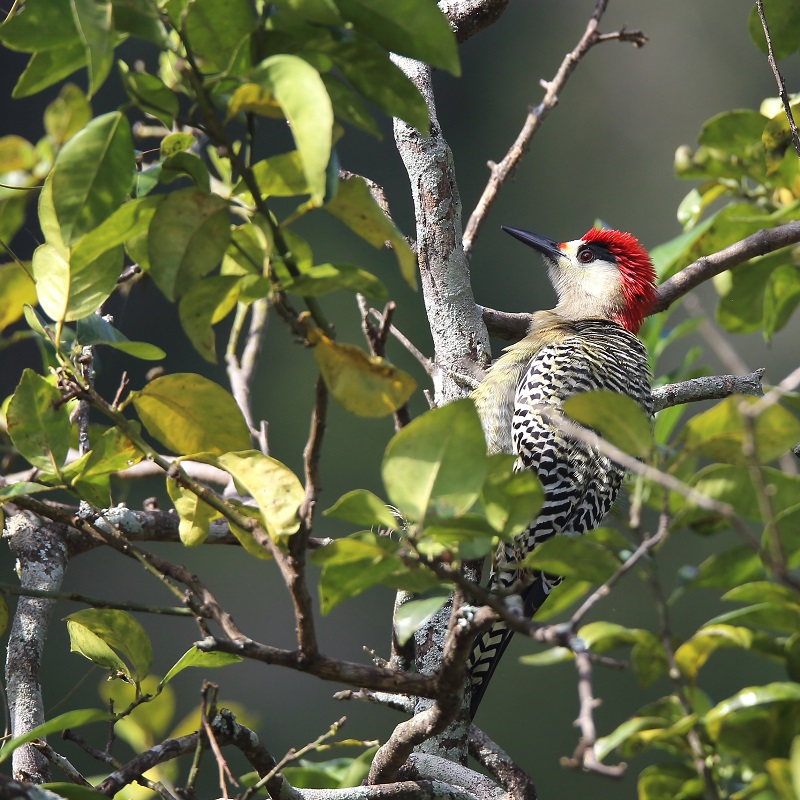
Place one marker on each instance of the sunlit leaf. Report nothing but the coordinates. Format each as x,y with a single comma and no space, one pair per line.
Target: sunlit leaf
93,22
190,414
197,658
275,488
355,206
693,653
365,385
92,175
115,629
437,464
363,508
17,289
616,417
38,422
510,499
574,558
194,515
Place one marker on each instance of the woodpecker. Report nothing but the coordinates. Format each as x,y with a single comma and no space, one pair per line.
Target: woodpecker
605,284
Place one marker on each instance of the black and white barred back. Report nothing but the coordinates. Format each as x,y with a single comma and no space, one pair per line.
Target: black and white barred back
580,484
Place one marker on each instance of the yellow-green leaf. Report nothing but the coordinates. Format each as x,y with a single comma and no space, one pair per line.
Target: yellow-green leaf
194,515
366,385
17,289
274,487
190,414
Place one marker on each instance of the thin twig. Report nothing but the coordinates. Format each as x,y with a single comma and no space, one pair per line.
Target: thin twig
537,115
426,363
779,78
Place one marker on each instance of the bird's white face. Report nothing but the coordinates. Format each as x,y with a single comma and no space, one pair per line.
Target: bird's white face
586,279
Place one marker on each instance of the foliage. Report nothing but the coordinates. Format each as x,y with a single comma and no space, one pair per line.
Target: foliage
199,220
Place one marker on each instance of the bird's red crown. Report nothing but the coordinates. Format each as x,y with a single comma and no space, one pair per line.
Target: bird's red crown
637,272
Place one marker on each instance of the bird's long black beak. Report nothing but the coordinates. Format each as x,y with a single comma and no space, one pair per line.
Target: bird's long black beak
547,247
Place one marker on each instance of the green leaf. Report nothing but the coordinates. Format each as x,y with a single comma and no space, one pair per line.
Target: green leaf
365,385
115,629
188,236
465,537
47,67
274,487
352,565
720,433
11,490
191,414
205,304
781,297
363,508
668,782
736,131
734,485
756,722
197,658
94,330
150,94
174,143
67,114
562,597
298,88
38,422
368,68
348,106
66,293
510,500
412,615
92,175
323,279
355,206
413,28
194,515
72,719
40,25
693,653
218,29
574,558
17,290
783,19
93,22
278,176
437,464
616,417
727,569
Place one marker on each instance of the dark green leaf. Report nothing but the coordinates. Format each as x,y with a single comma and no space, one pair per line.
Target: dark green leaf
413,28
150,94
783,20
465,537
93,22
218,29
437,464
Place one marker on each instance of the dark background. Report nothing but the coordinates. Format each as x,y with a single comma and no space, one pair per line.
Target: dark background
605,152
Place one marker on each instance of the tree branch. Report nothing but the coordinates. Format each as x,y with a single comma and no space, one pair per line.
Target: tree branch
711,387
536,116
42,560
787,108
509,775
468,17
447,700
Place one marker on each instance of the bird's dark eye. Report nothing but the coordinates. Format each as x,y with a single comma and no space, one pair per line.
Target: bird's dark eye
585,255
